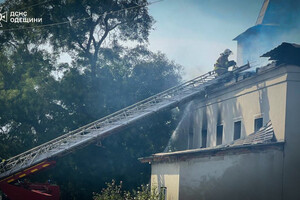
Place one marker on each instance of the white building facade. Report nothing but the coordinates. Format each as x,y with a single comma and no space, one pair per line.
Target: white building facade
213,168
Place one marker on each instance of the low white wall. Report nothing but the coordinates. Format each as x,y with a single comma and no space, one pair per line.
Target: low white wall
166,175
245,176
245,173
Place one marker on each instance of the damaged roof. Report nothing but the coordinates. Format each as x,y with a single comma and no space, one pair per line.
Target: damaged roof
262,138
286,53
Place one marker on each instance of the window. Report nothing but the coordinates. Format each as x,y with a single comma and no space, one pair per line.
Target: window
237,130
191,134
190,140
219,134
204,138
258,123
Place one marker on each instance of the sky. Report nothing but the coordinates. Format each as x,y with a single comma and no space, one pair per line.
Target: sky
193,33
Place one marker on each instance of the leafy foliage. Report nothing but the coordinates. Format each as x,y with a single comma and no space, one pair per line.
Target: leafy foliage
26,104
92,28
117,156
114,191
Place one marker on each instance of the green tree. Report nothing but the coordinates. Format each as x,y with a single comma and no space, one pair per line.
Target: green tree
92,27
36,105
27,100
117,157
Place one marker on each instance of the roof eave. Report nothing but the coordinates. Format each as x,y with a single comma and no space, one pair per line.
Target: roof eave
208,152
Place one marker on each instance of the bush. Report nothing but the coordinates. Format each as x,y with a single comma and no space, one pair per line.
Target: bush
114,191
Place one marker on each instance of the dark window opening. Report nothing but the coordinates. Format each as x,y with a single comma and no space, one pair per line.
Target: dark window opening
190,141
237,130
204,138
191,134
219,134
258,123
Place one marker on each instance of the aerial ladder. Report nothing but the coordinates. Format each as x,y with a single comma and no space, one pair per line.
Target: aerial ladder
38,157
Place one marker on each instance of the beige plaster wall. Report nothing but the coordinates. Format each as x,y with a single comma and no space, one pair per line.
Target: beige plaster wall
260,96
266,174
166,175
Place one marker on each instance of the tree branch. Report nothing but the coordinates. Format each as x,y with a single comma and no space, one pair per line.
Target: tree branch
97,46
115,26
14,45
91,38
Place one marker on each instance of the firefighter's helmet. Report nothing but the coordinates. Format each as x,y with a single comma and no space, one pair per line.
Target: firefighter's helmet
227,52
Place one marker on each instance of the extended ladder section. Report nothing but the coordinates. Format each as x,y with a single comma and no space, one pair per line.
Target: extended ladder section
112,123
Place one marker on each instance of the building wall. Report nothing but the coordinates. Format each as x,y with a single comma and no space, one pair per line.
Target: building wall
255,175
263,38
278,22
166,175
263,95
244,174
259,41
268,173
292,132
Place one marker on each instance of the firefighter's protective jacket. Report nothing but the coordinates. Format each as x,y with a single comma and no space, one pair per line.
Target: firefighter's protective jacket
223,63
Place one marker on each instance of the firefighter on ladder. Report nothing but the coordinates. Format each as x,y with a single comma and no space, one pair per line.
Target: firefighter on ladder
222,64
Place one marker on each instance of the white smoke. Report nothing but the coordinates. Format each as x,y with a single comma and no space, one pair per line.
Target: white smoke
182,125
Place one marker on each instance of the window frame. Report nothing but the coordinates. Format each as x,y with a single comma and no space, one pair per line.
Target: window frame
203,145
234,129
256,123
217,133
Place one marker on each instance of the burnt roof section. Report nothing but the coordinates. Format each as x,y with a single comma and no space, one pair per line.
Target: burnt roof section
286,53
262,136
258,140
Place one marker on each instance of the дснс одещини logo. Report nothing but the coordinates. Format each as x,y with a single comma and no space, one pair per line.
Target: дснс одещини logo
17,17
3,17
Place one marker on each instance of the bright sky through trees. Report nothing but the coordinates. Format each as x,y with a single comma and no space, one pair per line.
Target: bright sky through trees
194,33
